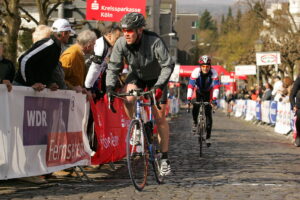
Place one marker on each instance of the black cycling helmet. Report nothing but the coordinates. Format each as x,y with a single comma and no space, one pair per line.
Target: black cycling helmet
133,21
205,60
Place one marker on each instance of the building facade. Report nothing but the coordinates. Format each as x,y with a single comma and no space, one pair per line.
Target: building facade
186,29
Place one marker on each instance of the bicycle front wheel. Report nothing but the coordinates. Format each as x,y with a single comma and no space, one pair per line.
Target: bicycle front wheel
137,154
200,139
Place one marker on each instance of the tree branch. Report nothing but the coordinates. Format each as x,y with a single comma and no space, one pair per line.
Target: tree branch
53,9
28,14
7,7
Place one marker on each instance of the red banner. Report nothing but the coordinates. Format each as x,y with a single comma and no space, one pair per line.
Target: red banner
111,130
113,10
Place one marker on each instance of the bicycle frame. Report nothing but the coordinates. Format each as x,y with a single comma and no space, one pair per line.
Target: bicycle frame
201,123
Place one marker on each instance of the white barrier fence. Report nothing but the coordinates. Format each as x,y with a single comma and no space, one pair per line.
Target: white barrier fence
41,132
270,112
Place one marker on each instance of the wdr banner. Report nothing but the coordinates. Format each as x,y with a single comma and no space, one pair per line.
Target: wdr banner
41,132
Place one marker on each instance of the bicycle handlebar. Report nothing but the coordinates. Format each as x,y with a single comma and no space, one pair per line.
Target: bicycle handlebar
136,93
198,103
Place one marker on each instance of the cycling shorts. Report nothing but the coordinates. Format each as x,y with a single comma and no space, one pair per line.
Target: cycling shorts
143,84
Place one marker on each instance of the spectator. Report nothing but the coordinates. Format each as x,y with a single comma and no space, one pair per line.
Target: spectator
73,62
278,88
253,95
7,70
62,30
37,64
41,32
97,32
287,85
267,94
97,71
295,104
258,92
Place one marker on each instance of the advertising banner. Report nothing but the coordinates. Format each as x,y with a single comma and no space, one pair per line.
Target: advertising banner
111,131
113,10
268,58
283,119
43,131
250,111
273,112
240,108
258,111
265,111
245,70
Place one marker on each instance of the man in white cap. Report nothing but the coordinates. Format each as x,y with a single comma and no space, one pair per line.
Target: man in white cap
39,66
62,30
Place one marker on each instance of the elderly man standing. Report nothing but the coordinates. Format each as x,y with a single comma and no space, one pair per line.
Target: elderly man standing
72,60
39,65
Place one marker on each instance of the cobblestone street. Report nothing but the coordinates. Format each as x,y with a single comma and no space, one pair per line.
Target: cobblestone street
245,161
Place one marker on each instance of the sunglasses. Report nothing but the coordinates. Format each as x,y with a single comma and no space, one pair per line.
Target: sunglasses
205,66
127,30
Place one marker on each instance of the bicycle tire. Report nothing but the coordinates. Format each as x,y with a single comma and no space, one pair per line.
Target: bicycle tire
200,139
137,155
156,160
201,129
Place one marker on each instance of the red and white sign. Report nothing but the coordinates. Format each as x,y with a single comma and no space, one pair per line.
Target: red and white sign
226,79
245,70
268,58
113,10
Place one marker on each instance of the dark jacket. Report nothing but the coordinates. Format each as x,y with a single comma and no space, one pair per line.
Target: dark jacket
295,94
7,70
148,60
267,95
37,64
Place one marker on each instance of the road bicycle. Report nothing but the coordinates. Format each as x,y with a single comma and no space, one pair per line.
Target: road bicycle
142,144
201,124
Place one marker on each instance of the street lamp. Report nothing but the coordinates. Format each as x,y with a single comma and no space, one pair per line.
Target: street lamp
258,48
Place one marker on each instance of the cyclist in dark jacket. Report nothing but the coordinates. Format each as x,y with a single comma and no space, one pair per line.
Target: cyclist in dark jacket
150,66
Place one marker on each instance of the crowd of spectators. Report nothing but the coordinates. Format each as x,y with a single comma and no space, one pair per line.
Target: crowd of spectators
280,91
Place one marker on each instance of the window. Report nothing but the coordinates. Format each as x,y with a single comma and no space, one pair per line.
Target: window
194,24
193,38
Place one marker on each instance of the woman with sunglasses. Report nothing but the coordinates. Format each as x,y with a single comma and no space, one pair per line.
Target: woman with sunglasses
205,80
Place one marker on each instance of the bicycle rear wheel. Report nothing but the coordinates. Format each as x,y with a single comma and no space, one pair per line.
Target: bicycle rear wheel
156,160
137,154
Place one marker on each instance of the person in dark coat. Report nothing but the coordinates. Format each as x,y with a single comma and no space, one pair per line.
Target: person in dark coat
7,69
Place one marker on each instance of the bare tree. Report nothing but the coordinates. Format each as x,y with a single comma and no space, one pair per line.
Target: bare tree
10,24
45,9
281,34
